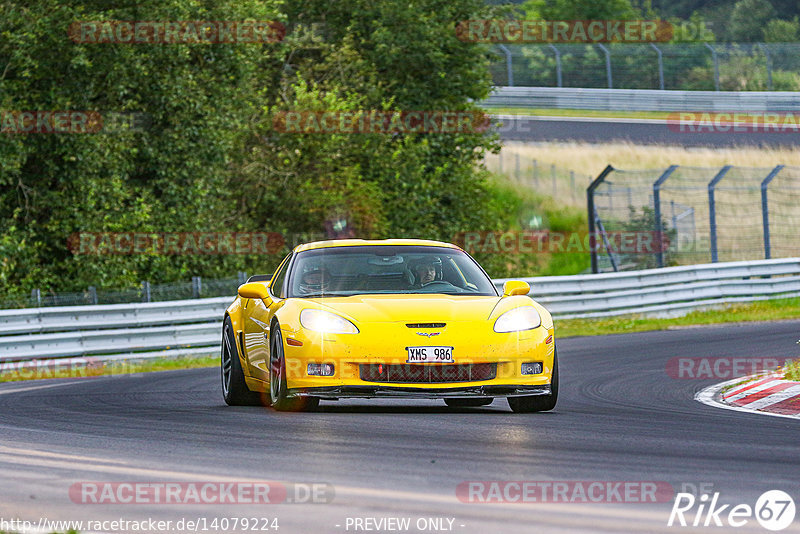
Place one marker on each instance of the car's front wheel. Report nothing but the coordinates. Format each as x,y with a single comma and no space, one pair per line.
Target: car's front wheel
234,388
468,402
277,379
538,403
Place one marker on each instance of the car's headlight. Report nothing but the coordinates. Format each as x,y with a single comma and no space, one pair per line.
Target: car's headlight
524,318
326,322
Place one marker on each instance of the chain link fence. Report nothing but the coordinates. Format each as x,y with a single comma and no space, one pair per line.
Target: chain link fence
147,292
678,66
705,215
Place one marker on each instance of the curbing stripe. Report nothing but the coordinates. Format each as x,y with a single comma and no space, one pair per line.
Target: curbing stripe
776,405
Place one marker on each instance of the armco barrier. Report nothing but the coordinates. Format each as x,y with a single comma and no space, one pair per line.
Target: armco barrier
195,325
643,100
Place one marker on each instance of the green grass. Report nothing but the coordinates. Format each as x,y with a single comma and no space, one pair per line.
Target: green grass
792,370
64,369
581,113
769,310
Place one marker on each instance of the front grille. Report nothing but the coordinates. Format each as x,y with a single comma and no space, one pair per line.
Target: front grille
427,374
425,325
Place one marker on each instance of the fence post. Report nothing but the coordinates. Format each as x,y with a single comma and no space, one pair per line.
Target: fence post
660,66
657,211
608,64
536,172
591,213
516,167
36,296
765,209
509,70
558,65
553,176
197,287
146,291
716,65
712,211
93,294
769,65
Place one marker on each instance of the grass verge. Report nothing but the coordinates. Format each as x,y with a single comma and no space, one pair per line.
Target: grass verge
768,310
613,114
91,367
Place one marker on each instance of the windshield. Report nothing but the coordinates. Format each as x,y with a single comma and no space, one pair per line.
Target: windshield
386,269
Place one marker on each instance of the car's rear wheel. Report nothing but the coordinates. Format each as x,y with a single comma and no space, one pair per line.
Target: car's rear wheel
277,379
538,403
234,388
468,402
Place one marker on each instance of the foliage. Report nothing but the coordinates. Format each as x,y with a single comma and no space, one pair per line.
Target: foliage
749,18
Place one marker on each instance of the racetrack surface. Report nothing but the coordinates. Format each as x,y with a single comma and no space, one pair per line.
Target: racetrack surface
542,129
620,417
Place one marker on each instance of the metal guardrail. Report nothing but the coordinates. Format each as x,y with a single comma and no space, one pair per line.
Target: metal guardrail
642,100
195,325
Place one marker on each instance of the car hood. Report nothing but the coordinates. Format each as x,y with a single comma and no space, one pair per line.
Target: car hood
412,308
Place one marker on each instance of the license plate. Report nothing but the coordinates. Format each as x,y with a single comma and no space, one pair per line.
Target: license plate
430,355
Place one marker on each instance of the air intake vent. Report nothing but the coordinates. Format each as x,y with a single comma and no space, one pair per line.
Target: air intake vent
425,325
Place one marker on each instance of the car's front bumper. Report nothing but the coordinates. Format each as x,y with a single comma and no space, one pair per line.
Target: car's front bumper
410,392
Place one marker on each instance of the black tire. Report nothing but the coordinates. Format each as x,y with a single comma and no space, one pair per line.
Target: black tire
234,388
468,402
277,379
538,403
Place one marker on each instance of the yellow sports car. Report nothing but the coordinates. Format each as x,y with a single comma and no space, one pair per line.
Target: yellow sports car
386,318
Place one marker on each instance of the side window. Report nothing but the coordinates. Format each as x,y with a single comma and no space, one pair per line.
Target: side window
276,287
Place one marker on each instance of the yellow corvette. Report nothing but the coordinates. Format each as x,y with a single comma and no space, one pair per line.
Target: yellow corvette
386,318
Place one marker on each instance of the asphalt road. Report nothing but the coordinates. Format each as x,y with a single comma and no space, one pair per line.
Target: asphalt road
620,417
637,131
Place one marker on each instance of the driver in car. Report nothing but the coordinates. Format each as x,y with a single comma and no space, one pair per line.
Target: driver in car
425,272
313,281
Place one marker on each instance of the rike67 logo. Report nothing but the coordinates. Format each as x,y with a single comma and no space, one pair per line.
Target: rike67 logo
774,510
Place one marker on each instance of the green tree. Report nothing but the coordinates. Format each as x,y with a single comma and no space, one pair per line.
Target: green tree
581,9
749,18
782,31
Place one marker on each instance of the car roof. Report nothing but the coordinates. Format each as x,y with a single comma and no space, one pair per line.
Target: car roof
372,242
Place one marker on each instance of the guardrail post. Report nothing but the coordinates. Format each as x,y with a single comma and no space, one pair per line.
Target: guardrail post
93,294
712,211
765,209
146,291
509,70
608,64
591,213
36,296
716,65
657,211
558,65
197,287
660,66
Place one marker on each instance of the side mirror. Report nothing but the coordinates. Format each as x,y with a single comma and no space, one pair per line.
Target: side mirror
254,290
516,287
